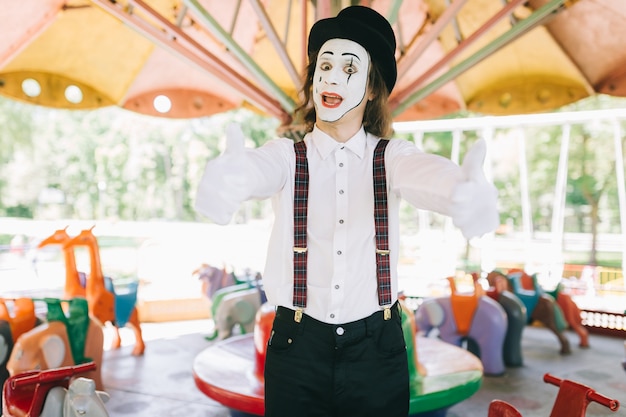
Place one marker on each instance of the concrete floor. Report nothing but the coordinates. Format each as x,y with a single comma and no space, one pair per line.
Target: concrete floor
161,383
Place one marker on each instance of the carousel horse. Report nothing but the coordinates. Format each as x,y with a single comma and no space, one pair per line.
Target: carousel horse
540,307
473,318
106,303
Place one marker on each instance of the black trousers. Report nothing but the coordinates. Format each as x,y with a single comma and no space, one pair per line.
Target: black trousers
357,369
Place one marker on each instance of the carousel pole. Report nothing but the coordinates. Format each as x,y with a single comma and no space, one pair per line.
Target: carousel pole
423,216
527,220
558,218
486,242
448,228
621,189
455,157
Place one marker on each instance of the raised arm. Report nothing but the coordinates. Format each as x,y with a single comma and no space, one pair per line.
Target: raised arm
435,183
240,174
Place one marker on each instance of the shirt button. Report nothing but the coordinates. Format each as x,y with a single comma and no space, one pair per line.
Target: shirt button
340,191
341,221
341,164
340,331
332,316
336,287
339,252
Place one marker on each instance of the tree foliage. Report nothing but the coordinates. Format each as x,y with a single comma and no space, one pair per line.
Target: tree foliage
114,164
109,163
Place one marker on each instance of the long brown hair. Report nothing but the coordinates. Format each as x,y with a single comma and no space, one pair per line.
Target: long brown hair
377,119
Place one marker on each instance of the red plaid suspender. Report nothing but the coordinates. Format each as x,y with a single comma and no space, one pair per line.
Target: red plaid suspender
300,202
301,192
381,222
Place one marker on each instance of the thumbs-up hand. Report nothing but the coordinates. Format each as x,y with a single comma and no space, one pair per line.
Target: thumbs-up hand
224,184
235,140
472,165
474,199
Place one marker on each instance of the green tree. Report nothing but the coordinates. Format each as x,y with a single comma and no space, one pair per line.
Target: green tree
591,185
111,163
16,136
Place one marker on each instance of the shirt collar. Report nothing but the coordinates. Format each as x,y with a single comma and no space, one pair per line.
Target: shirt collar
326,145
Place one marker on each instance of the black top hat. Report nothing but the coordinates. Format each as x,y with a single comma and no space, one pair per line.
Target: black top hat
366,27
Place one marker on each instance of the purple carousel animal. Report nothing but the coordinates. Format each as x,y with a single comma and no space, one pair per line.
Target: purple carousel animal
476,319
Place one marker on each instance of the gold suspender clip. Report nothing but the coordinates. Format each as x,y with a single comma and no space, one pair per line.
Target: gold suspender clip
297,317
387,313
383,252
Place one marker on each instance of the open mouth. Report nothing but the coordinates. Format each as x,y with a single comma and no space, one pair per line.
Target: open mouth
331,100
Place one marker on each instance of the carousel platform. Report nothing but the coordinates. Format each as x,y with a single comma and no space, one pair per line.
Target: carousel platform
162,381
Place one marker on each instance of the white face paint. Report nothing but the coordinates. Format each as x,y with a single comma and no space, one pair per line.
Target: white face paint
340,78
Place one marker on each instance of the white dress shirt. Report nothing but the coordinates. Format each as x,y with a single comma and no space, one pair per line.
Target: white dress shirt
341,277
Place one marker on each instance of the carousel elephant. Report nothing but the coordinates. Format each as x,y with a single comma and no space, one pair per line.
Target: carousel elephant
516,321
236,308
56,343
80,399
540,306
485,336
58,392
235,305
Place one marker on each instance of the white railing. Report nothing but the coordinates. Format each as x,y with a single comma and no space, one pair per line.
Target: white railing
487,125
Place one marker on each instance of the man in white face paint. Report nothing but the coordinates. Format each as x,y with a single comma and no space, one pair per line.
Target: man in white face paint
340,81
337,346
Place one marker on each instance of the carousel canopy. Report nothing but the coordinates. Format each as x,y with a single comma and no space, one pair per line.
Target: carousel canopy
192,58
